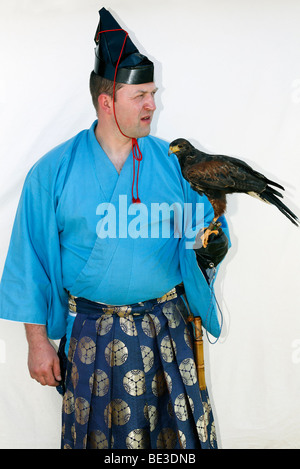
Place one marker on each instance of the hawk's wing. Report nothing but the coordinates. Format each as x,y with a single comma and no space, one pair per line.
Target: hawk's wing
223,174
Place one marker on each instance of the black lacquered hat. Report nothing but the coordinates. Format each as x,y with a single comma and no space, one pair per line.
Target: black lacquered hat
116,57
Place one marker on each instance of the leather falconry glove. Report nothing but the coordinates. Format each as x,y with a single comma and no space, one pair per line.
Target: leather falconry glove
215,251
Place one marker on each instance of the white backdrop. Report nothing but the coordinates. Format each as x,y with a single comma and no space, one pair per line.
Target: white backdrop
229,80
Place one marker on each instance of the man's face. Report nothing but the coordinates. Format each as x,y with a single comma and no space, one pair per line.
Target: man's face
135,106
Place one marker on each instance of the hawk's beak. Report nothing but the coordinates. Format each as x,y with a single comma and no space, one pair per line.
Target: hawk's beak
173,149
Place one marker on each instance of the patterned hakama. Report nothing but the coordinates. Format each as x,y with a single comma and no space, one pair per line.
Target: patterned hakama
131,380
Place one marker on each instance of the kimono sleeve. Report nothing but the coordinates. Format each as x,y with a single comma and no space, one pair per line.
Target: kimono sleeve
31,288
199,292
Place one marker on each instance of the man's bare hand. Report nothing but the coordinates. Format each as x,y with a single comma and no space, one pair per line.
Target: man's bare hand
43,362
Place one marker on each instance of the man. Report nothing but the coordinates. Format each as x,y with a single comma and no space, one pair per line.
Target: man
90,233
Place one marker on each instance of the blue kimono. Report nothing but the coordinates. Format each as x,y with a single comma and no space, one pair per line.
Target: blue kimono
69,236
77,235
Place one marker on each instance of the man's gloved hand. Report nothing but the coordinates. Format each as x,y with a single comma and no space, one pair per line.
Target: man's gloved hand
215,251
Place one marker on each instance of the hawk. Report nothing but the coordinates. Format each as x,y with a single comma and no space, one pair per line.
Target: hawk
219,175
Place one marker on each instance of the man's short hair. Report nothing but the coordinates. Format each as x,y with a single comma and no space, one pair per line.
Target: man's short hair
99,85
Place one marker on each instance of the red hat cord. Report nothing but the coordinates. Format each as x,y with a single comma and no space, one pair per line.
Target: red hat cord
136,152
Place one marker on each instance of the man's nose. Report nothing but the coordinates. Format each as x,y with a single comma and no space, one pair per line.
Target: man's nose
150,104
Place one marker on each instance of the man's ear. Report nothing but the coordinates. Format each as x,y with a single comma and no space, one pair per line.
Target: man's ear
105,103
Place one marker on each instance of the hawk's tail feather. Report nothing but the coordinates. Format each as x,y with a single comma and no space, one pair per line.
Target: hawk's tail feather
269,195
272,183
273,192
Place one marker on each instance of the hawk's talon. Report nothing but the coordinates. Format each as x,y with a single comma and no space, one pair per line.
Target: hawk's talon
206,235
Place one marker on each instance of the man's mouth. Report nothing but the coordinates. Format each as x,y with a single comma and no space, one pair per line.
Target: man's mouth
146,119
